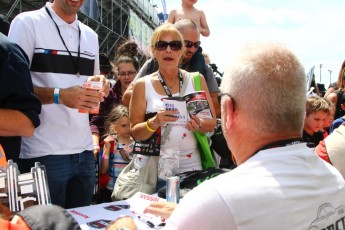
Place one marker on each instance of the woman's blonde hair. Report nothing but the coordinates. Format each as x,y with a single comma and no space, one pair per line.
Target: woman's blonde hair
166,28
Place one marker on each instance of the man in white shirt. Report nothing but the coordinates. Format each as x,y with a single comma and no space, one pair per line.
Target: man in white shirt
63,54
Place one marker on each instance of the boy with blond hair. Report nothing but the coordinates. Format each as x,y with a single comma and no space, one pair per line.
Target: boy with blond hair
317,111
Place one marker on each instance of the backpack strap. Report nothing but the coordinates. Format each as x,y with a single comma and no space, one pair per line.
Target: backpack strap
197,82
184,86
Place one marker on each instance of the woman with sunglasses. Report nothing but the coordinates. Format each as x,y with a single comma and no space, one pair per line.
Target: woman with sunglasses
167,47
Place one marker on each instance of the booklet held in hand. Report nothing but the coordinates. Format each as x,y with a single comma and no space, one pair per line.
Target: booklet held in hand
190,104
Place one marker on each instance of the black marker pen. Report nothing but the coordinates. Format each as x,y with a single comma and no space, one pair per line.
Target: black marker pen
149,223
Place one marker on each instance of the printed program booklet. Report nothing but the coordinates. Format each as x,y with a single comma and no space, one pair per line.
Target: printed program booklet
190,104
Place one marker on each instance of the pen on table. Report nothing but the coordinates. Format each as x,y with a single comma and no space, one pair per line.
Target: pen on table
149,223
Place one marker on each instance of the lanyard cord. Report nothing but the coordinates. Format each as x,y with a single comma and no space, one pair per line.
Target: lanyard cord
75,63
166,88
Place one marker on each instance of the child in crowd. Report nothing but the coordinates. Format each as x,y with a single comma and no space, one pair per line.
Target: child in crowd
317,111
117,148
125,68
329,120
190,12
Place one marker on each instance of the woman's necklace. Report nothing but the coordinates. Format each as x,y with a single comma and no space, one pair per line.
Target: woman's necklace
172,84
166,87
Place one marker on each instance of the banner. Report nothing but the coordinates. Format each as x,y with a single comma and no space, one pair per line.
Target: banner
140,32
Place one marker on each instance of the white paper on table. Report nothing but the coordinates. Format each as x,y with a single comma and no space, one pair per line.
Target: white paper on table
99,216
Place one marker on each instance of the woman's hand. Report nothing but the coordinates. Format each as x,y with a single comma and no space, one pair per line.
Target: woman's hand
195,123
162,209
162,117
125,222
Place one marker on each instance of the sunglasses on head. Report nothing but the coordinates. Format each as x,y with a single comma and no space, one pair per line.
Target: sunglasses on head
190,44
163,45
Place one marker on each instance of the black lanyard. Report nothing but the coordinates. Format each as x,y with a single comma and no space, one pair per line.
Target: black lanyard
165,87
282,143
75,63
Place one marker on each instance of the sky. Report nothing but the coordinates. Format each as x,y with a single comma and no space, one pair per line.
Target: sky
313,29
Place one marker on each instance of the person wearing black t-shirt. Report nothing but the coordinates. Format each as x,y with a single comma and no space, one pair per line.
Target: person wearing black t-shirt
312,140
317,111
19,107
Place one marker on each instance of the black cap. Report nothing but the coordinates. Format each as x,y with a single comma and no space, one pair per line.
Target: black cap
48,217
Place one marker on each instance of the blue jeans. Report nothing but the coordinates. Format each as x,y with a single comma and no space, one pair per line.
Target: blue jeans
71,178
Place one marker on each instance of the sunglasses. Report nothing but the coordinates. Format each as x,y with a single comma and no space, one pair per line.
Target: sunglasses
190,44
129,74
163,45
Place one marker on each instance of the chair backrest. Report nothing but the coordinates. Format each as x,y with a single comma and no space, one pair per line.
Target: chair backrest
20,191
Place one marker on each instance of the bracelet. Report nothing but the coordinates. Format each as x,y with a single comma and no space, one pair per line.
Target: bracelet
149,128
56,96
104,157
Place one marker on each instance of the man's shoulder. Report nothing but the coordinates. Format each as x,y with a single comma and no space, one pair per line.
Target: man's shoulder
86,29
198,11
149,67
173,11
33,14
209,71
151,63
11,49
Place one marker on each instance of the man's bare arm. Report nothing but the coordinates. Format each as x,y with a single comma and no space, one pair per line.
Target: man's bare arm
75,97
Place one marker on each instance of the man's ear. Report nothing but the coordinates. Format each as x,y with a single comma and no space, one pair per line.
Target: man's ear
228,113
